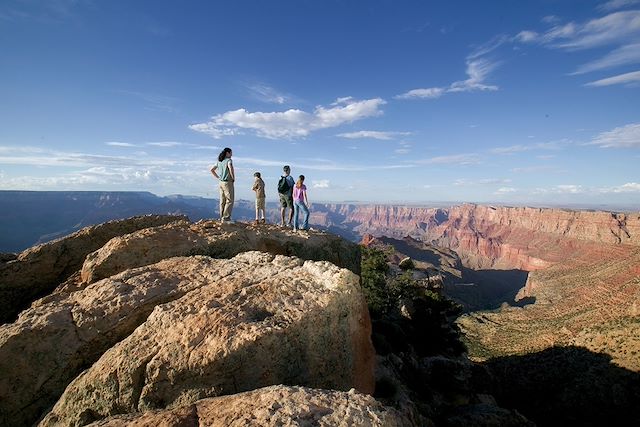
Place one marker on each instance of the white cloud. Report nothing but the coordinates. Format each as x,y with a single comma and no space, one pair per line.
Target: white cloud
323,183
402,151
624,79
627,136
617,4
461,159
624,55
120,144
292,123
615,28
165,144
629,187
373,134
527,36
426,93
206,147
568,189
478,69
487,181
518,148
505,190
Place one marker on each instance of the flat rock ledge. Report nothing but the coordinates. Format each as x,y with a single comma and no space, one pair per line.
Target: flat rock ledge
217,240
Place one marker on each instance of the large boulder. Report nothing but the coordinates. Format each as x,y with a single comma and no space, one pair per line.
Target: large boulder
62,334
38,270
249,322
272,406
218,240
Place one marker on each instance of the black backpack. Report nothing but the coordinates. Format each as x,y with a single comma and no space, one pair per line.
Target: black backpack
283,185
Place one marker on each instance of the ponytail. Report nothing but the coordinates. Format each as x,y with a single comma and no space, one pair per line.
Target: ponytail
223,154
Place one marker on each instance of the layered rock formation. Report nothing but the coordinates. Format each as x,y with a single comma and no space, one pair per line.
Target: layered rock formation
490,237
150,335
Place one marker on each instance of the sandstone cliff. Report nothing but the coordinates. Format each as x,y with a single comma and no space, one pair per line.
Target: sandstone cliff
493,237
151,329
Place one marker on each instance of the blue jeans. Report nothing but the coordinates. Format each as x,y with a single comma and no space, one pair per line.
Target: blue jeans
297,207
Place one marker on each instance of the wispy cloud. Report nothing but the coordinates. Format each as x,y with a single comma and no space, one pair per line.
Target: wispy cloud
627,136
568,189
624,55
463,182
120,144
265,93
423,93
518,148
621,29
632,78
614,28
165,144
460,159
478,69
550,19
504,190
53,11
372,134
292,123
629,187
534,169
154,101
617,4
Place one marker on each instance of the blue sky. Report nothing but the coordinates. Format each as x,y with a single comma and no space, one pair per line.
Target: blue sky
387,101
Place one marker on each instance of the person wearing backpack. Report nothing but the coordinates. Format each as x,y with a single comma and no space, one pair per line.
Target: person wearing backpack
223,170
285,191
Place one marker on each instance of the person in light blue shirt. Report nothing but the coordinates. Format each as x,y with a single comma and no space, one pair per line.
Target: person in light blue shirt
223,170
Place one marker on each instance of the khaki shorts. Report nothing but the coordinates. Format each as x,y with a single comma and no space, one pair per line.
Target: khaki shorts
286,201
260,203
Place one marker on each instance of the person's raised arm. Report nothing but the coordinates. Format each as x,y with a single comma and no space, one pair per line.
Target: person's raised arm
213,171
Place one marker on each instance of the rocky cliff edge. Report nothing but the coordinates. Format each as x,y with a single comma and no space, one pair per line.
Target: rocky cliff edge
158,313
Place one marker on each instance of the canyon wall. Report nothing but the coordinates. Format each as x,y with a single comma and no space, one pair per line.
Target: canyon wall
492,237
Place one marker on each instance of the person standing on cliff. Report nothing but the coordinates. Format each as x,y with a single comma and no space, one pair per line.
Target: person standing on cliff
258,187
223,170
300,203
285,191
